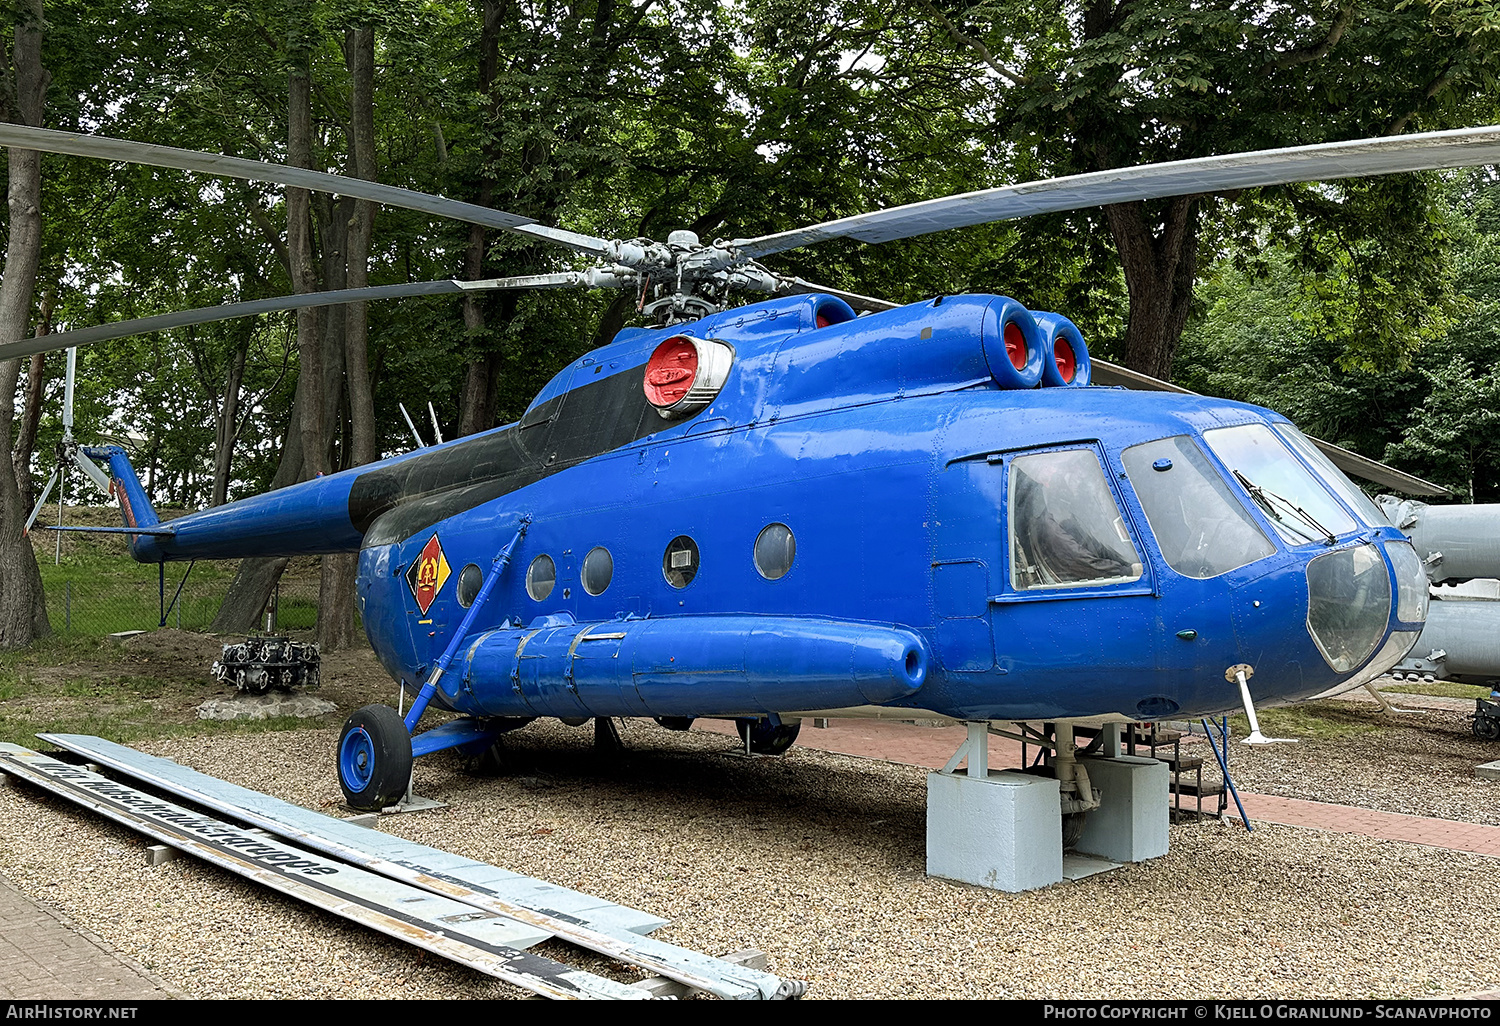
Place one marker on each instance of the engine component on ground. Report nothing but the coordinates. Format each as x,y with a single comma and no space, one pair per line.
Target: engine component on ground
258,664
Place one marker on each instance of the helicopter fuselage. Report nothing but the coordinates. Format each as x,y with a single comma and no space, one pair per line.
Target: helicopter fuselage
859,517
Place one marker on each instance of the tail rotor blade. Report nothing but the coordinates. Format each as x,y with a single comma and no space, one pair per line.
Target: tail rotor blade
46,492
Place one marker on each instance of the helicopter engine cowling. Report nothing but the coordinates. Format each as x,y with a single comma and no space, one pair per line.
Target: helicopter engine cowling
1013,344
1065,356
685,665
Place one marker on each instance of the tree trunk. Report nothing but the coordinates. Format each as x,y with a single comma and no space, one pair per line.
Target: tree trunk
227,429
251,588
1161,266
359,53
23,606
477,402
354,230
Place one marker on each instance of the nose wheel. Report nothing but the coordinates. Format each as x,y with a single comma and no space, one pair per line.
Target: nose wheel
374,758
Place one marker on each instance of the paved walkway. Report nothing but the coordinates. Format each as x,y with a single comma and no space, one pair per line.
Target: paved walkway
44,956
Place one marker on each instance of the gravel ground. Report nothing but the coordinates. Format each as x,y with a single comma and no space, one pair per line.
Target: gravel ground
1421,764
816,859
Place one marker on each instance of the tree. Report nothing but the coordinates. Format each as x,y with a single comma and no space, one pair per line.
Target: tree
23,609
1264,336
1087,85
1455,433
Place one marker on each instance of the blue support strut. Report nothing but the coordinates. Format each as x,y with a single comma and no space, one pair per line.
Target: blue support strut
1224,767
502,558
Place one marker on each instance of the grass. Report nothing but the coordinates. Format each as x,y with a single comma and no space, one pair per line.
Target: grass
79,681
1441,689
1323,721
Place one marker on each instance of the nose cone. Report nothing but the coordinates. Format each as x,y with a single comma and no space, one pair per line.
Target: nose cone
1337,620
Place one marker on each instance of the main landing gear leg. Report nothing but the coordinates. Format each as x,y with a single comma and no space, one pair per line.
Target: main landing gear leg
378,745
607,737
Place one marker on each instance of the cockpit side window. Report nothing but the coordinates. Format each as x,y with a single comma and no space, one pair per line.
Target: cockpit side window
1066,529
1200,528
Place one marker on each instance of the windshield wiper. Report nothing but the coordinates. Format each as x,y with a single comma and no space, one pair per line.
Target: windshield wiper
1268,501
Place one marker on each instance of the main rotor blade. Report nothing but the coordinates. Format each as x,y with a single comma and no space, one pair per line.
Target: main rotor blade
1319,163
1351,463
276,304
798,286
128,152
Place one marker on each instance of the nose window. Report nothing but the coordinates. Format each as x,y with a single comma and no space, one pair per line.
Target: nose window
1201,530
1066,529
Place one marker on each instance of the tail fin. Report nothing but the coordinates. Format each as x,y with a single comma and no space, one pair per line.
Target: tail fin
136,510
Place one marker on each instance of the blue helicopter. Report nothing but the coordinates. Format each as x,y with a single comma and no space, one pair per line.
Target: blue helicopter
782,509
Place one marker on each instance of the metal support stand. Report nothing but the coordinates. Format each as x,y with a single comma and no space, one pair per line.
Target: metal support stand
166,607
1242,672
1223,757
1385,705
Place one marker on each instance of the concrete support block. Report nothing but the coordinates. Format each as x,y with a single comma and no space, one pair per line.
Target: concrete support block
1003,831
1132,820
156,854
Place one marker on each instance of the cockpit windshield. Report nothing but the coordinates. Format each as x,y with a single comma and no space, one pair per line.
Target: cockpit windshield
1364,507
1201,529
1298,505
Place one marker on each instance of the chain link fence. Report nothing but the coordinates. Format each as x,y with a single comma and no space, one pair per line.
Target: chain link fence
93,587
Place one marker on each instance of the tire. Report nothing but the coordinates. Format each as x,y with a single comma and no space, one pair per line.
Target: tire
767,738
1486,728
674,722
374,758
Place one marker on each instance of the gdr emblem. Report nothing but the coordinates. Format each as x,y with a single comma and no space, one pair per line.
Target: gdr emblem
427,574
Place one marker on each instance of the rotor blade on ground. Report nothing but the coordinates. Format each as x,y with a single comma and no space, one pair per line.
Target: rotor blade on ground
1351,463
276,304
1319,163
129,152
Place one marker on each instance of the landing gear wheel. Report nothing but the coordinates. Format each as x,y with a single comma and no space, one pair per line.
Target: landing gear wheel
1072,828
674,722
767,738
374,758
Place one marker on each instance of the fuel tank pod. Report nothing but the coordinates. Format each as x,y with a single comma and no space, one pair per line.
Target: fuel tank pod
685,666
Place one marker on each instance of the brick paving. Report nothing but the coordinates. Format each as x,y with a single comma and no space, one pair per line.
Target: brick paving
44,956
931,747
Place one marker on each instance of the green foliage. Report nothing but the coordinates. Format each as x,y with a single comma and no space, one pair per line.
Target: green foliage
745,117
1266,337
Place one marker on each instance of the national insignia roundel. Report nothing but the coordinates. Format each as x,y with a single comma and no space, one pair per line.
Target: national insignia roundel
427,574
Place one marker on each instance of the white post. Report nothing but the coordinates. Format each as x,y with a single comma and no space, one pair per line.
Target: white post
979,749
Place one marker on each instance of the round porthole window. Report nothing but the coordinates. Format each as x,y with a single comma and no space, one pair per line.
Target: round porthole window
469,580
598,570
541,575
679,565
775,548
